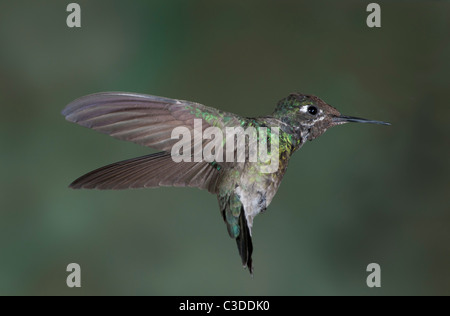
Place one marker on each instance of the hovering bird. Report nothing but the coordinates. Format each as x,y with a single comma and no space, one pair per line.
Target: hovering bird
243,191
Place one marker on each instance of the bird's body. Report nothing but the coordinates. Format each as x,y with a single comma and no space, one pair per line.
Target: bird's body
242,189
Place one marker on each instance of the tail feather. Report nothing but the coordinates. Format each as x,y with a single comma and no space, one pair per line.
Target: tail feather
234,216
244,243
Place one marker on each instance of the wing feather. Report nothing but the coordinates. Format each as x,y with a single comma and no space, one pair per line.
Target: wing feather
150,171
144,119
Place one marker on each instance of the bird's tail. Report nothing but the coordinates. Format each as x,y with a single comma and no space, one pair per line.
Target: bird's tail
234,216
244,243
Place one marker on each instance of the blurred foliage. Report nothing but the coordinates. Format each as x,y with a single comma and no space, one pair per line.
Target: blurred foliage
357,195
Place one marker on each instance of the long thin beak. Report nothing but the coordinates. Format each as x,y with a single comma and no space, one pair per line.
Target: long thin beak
345,119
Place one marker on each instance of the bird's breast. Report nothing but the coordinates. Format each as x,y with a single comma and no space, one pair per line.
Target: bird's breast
256,190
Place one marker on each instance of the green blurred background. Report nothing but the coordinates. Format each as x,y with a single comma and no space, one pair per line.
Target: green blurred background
359,194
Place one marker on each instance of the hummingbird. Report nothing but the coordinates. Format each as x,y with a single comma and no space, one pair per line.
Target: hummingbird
242,190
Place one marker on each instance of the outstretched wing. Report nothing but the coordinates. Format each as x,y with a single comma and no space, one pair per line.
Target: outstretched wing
143,119
150,171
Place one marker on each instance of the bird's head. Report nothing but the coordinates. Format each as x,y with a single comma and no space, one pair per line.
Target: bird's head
311,114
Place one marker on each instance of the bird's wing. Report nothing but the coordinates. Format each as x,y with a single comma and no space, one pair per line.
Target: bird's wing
144,119
150,171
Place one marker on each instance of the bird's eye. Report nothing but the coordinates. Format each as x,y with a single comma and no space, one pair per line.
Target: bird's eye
312,110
